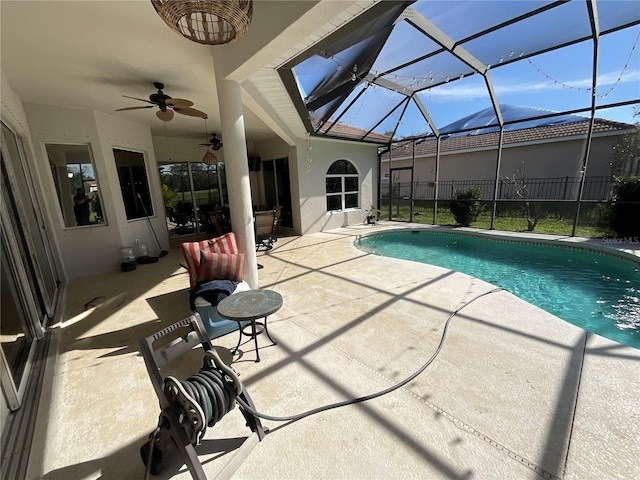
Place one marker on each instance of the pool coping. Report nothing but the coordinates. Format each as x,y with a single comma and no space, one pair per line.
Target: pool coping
612,247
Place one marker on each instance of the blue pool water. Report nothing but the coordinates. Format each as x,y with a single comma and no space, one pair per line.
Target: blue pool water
597,292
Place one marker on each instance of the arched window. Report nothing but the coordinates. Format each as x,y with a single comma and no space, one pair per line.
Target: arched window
343,186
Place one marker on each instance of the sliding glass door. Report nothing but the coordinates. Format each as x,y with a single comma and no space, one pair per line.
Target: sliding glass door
277,188
195,197
29,276
28,222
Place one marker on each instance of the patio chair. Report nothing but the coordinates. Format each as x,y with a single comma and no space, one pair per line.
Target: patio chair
208,260
265,225
210,219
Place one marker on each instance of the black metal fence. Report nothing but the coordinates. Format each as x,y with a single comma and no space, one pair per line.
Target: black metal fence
552,188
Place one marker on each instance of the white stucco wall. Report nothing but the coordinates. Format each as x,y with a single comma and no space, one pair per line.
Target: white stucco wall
540,160
94,249
180,149
84,250
311,179
118,133
12,109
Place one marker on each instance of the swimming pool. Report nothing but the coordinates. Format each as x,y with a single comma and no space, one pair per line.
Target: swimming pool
595,291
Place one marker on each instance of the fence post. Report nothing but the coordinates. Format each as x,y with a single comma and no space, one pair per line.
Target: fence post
564,195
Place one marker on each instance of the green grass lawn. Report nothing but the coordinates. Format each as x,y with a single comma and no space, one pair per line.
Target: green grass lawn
511,223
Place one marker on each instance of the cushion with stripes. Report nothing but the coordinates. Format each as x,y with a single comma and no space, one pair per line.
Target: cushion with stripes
225,243
191,252
220,266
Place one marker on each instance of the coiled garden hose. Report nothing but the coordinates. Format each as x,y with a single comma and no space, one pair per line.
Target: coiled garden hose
204,398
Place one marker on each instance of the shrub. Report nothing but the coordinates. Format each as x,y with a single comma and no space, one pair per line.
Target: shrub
466,205
168,194
625,208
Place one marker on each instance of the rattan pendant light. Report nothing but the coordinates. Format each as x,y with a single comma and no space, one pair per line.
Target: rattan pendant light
209,158
210,22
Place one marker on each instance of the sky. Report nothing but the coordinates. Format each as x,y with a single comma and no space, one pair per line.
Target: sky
558,80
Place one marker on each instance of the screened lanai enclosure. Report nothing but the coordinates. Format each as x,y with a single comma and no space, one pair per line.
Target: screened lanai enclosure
533,104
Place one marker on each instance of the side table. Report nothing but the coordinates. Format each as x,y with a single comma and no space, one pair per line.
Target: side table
250,306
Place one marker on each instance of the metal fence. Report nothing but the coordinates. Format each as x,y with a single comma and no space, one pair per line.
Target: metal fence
552,188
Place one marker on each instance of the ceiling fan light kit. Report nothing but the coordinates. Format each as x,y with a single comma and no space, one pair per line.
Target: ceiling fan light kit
165,115
209,158
166,105
209,22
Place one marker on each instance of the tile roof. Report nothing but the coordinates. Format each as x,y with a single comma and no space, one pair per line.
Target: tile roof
525,135
342,130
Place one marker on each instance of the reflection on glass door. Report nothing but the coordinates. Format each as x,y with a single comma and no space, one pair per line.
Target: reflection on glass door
178,198
195,197
277,188
25,215
29,278
16,335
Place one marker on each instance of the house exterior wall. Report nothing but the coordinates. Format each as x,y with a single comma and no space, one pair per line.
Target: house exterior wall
89,250
540,160
272,150
118,133
179,149
601,155
311,179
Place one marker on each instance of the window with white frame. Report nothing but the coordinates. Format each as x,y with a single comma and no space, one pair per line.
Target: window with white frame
343,186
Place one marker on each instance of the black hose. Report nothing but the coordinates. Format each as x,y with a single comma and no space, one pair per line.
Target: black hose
213,390
372,395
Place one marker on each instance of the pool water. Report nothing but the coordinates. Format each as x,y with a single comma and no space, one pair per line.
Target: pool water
597,292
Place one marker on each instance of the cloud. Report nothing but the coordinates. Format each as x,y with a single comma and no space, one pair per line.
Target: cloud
453,91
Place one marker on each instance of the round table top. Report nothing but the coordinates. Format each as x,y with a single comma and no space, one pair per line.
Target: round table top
250,304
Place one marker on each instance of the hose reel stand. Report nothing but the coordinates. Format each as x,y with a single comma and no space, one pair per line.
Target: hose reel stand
189,406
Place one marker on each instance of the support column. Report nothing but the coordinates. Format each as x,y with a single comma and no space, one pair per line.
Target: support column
237,171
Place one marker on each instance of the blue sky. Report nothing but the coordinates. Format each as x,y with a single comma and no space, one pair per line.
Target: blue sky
558,80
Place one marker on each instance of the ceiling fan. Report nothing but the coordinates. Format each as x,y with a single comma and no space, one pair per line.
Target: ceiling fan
214,143
166,105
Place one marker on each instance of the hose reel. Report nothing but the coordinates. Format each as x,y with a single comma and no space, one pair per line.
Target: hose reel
205,397
188,407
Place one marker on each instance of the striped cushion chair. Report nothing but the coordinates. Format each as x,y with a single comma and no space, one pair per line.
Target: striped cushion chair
214,259
191,252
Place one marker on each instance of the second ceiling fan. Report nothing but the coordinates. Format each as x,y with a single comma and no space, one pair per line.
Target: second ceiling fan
214,142
166,105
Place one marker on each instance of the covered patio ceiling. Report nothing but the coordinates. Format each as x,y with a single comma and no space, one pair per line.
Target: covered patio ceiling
427,67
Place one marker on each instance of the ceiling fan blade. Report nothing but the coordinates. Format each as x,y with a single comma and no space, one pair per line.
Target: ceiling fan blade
179,102
133,108
192,112
141,99
165,116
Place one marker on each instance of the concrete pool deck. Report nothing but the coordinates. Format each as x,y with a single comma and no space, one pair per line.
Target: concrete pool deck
514,393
